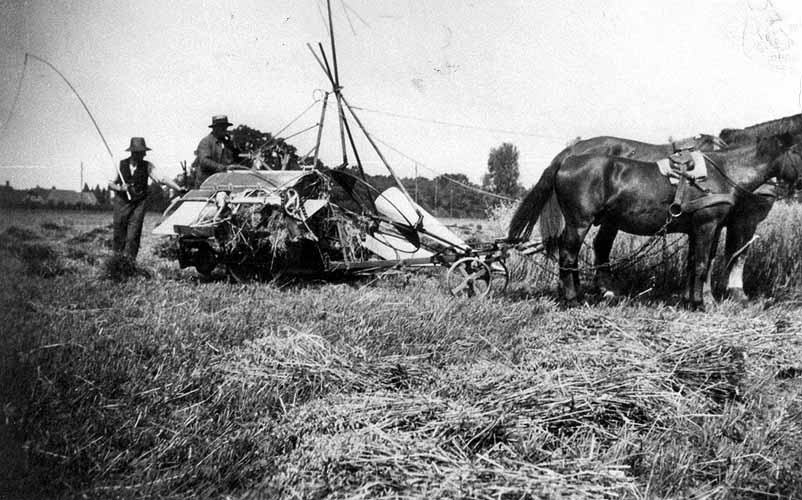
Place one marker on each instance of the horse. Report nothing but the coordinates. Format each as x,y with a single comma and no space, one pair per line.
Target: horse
638,150
619,193
749,211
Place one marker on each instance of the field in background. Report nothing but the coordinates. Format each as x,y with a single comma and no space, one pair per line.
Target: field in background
164,385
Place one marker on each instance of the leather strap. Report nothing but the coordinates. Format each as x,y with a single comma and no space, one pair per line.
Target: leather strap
676,208
708,201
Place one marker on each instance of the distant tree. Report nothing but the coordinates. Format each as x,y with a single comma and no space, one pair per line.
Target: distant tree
98,194
86,188
502,171
275,151
250,139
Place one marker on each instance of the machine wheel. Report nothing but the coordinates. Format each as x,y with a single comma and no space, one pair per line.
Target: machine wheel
205,261
469,277
499,277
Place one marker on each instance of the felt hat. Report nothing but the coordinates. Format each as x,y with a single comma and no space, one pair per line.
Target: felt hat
137,145
220,120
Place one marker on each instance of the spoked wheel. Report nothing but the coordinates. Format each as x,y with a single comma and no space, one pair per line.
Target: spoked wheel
499,277
469,277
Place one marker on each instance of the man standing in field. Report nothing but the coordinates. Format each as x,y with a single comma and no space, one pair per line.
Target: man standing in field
216,152
130,182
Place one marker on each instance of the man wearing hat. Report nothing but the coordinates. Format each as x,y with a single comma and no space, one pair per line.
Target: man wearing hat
216,152
130,182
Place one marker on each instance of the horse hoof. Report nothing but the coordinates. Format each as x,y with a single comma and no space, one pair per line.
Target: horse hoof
737,295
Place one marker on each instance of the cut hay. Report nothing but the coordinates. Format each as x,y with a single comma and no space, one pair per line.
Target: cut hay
16,233
480,429
120,267
40,257
98,236
278,233
173,389
54,226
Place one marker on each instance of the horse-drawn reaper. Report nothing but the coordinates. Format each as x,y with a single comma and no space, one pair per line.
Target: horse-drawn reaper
258,223
263,223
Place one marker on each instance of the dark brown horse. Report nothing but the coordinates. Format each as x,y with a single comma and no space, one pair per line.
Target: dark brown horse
619,193
629,148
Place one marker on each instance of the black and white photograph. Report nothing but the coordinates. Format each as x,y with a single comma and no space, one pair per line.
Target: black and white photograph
400,249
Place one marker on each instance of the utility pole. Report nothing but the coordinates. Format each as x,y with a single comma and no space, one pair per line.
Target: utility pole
451,204
416,183
435,197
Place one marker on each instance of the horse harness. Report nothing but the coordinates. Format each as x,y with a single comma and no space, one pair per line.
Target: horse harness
682,163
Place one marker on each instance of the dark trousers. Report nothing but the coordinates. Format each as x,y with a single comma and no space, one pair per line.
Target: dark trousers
128,219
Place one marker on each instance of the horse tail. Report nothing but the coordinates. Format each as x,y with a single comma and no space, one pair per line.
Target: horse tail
552,223
532,206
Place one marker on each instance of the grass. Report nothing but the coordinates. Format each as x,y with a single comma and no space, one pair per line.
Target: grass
772,268
160,385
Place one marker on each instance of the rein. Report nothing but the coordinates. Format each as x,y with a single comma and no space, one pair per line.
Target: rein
734,184
620,264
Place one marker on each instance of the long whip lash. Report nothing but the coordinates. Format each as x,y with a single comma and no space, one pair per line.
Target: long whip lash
86,108
16,95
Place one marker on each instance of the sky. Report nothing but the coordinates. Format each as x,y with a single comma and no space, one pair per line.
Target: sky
440,82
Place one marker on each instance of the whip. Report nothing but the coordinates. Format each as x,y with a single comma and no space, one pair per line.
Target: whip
91,117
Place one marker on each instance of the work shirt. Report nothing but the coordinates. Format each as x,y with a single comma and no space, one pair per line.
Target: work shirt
214,155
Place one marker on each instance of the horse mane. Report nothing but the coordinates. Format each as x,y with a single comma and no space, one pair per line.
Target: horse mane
789,124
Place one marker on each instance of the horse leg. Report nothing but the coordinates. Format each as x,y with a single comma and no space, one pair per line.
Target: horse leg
570,245
699,260
707,285
687,295
737,236
602,244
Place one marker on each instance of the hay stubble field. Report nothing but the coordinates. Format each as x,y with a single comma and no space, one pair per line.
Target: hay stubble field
163,385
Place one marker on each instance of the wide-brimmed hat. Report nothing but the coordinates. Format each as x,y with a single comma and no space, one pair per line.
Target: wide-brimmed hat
138,145
220,120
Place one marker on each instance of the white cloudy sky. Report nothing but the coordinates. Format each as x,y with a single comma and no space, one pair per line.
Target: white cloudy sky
535,73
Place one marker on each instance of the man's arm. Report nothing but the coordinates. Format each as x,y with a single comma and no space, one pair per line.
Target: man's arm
116,184
153,173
